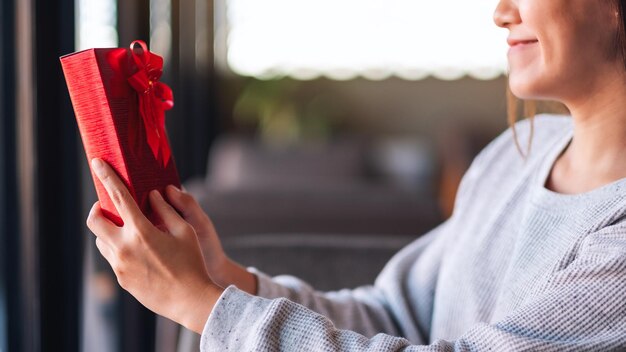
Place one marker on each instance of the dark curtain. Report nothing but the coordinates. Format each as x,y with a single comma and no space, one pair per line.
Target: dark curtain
57,181
193,123
10,321
41,228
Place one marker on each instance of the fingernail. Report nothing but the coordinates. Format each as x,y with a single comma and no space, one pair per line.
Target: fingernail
156,195
98,166
175,188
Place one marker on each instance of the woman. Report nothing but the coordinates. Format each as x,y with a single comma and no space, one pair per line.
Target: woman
534,257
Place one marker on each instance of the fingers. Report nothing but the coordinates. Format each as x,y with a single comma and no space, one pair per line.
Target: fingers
100,225
172,221
185,204
119,194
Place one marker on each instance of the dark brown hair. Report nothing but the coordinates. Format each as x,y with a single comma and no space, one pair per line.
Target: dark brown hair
620,41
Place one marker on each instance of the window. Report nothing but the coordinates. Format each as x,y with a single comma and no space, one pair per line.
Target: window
342,39
96,24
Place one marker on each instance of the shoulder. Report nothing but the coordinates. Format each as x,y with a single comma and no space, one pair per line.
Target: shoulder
543,132
543,128
501,161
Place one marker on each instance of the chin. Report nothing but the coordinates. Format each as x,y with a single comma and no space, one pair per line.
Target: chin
521,91
534,81
526,88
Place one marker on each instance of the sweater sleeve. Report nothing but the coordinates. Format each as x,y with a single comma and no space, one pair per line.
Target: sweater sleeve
362,309
581,307
367,309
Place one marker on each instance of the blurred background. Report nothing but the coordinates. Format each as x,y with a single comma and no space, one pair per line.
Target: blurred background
320,136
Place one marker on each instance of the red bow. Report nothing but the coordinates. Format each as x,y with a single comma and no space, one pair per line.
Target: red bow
154,98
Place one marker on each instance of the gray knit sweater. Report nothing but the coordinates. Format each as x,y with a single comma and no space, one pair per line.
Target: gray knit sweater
516,268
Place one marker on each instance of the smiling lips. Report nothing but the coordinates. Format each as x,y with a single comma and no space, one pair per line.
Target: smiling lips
520,42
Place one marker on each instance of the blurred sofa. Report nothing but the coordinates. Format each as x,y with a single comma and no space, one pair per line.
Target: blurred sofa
323,188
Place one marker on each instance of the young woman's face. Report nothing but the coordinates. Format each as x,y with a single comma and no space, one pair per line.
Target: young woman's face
559,48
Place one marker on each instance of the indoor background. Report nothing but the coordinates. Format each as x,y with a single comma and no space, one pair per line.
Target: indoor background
320,136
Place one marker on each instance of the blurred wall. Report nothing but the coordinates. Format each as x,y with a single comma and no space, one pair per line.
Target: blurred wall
395,106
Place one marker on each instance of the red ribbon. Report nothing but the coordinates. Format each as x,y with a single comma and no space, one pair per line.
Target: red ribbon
154,98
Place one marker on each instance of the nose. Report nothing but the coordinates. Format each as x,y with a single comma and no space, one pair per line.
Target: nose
506,14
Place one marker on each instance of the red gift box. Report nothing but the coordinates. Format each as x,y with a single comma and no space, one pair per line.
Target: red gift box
120,109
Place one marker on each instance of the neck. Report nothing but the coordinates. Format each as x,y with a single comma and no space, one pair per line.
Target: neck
600,125
595,156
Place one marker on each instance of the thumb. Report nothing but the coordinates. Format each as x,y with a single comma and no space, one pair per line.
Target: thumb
171,220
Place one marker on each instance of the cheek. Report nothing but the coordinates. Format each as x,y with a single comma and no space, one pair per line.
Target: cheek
580,50
571,48
584,36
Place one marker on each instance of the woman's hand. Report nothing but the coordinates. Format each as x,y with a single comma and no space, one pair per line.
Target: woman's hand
222,269
162,269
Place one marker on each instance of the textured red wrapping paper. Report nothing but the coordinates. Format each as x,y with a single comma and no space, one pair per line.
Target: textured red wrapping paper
120,123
